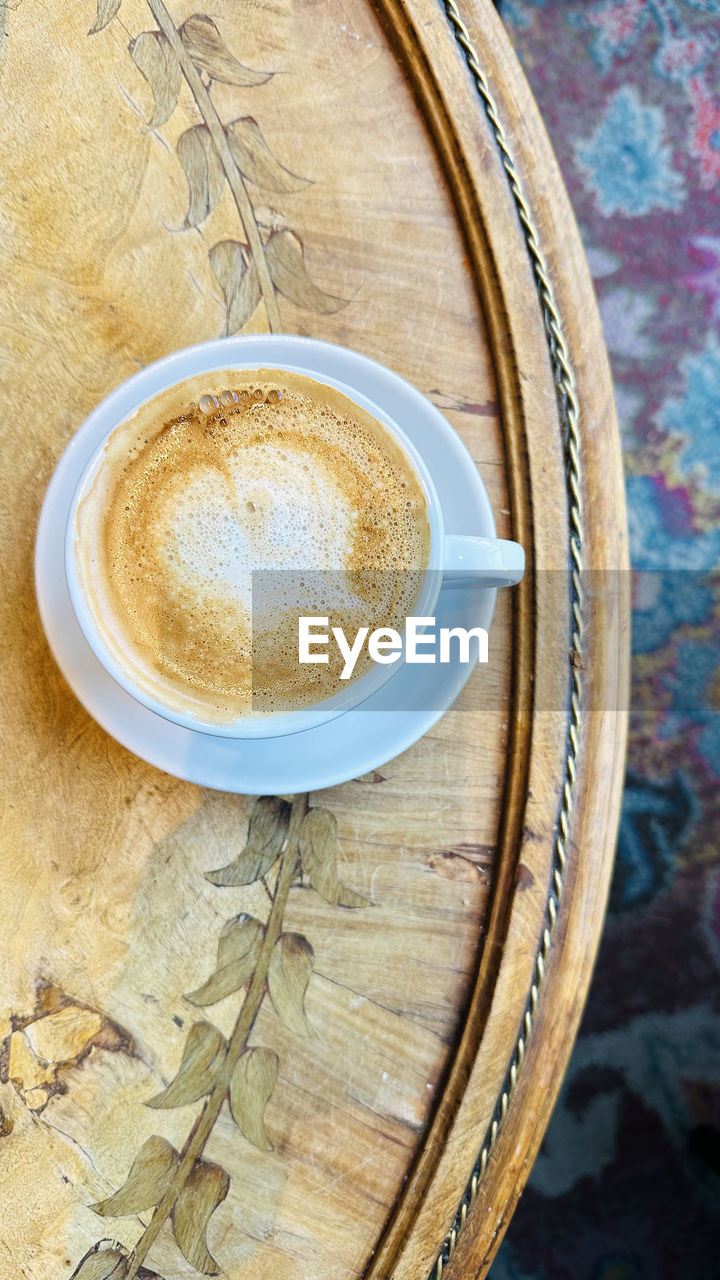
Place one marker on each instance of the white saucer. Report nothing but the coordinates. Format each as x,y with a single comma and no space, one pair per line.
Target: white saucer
356,742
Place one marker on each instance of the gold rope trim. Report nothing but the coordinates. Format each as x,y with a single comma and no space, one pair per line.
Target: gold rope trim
570,414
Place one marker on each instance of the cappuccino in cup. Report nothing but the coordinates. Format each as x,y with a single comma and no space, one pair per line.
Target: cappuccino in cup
225,508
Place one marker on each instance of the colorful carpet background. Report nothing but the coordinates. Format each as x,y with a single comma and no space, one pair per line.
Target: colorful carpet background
627,1185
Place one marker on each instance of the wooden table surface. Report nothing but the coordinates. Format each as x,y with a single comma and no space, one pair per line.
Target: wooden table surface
375,175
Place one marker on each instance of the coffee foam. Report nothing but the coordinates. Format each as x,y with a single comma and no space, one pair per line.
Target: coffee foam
222,510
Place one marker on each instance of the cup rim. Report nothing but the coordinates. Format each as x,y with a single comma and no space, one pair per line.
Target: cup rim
170,371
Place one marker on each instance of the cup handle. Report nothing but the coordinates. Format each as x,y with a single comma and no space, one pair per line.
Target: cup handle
483,562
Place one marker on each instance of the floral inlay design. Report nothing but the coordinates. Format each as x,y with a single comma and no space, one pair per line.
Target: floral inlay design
288,845
265,262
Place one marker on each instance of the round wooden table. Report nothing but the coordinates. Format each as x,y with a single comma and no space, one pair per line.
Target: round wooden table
376,175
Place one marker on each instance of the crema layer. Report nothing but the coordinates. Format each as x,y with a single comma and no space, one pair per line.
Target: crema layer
225,508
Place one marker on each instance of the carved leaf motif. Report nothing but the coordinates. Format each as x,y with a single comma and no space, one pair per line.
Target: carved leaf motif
289,972
147,1181
238,949
238,279
204,1049
210,54
286,263
253,1081
349,898
106,10
206,1188
154,58
267,833
318,855
108,1261
256,161
239,938
102,1264
318,852
203,170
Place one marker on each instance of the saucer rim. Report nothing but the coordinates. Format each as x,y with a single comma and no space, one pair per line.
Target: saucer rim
169,746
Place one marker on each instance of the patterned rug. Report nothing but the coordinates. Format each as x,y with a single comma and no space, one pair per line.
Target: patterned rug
627,1185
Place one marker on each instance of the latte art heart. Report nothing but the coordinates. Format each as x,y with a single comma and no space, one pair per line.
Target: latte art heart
217,515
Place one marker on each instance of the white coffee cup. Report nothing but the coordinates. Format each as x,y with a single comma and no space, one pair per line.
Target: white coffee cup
454,558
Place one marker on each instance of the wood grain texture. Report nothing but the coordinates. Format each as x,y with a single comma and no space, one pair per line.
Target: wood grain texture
524,371
409,226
